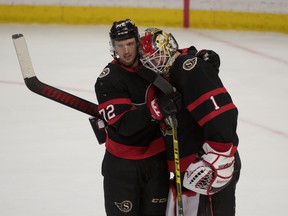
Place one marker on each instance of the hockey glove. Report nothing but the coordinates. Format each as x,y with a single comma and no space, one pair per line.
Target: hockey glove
98,126
209,56
166,105
211,174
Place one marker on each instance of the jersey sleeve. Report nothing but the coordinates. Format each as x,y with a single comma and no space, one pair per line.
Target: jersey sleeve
117,109
208,102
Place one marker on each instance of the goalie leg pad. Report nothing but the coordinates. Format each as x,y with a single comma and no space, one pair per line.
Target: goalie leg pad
190,202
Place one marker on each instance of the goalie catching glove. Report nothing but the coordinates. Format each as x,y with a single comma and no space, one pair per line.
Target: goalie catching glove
211,174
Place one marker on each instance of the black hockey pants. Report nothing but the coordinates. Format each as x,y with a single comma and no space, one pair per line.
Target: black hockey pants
135,187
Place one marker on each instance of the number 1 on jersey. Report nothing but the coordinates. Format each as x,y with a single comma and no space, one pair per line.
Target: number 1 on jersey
214,103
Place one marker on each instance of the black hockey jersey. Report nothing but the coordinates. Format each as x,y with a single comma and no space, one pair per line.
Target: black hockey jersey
209,114
122,96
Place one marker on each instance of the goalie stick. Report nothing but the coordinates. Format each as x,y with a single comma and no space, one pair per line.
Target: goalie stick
167,88
55,94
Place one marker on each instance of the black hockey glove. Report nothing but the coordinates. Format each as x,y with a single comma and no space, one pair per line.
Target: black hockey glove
98,126
209,56
166,105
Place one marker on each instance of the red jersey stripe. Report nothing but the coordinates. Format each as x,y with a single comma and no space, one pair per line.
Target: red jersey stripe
215,113
135,152
114,102
205,97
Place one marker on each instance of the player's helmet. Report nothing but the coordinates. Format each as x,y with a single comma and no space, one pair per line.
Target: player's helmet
122,30
157,50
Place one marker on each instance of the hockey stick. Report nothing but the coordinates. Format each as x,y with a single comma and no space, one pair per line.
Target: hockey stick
174,126
45,90
167,88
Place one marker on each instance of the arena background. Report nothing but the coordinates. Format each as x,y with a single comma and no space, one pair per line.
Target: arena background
256,15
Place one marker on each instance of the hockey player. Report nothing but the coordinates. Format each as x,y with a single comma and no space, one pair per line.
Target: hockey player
209,161
136,177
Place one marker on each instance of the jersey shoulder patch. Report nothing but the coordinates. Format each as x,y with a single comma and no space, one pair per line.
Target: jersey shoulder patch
105,72
190,63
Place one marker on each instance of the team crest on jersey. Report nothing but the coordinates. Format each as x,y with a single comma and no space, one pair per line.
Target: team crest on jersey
189,64
125,206
104,73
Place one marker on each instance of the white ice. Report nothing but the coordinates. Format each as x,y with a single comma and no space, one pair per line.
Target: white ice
50,161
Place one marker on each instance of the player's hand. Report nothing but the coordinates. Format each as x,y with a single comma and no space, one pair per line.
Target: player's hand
209,56
166,105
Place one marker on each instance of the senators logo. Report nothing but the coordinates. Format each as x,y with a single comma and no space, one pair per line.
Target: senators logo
104,73
125,206
189,64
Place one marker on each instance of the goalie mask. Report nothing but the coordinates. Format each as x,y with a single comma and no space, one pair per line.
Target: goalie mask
122,30
157,50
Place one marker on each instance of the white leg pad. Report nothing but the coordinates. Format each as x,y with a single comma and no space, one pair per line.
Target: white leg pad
190,203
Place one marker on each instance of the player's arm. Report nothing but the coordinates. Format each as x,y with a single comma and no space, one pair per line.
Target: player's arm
208,101
118,111
208,55
211,106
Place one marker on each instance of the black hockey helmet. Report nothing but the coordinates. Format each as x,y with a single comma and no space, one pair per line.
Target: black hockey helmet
123,29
